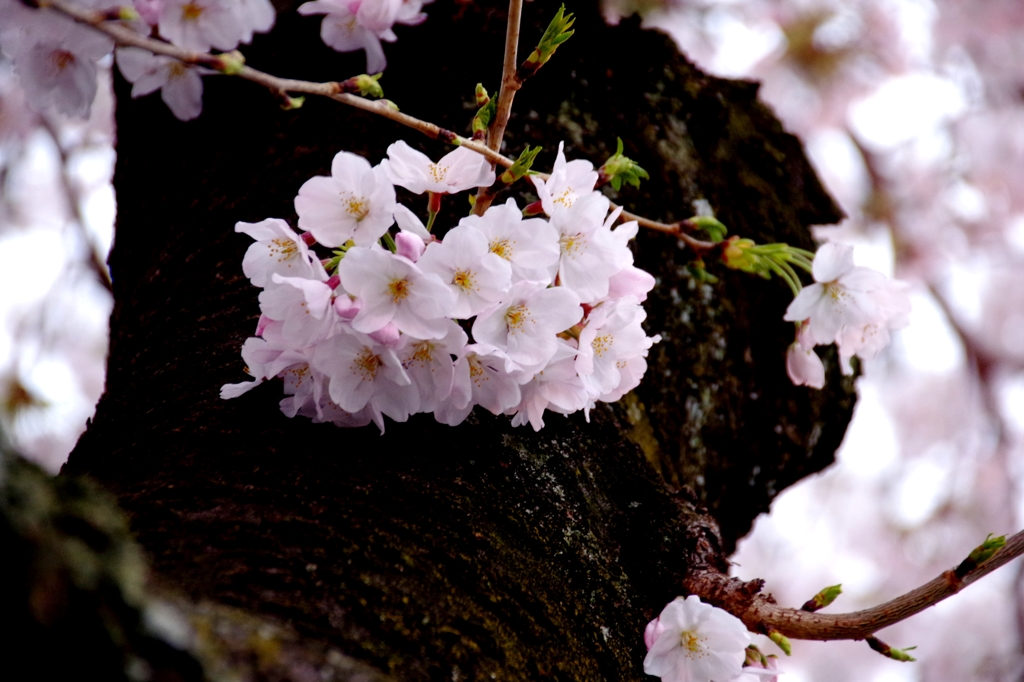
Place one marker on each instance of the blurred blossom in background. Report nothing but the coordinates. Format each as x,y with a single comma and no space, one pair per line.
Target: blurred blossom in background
913,113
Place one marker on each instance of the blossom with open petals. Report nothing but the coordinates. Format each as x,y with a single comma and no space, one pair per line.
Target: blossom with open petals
567,183
356,202
694,642
392,289
180,85
840,296
458,170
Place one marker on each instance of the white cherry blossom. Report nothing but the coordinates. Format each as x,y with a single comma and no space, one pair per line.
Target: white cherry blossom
303,305
612,335
201,24
557,387
479,379
567,183
364,373
694,642
841,295
590,254
180,85
351,26
57,67
458,170
530,246
477,277
356,202
277,250
392,289
428,362
524,325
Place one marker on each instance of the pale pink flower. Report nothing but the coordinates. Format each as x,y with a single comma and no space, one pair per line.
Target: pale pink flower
364,373
58,68
180,85
149,10
306,395
631,371
530,246
556,387
567,183
479,379
350,26
477,277
255,16
428,362
524,325
278,250
613,334
696,642
392,289
201,24
356,202
303,305
841,295
458,170
590,253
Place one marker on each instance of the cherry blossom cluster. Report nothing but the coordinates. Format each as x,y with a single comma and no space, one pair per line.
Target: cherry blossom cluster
691,641
853,307
56,58
516,315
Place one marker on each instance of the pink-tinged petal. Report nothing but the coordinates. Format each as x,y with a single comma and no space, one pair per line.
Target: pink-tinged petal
804,367
409,245
832,261
183,93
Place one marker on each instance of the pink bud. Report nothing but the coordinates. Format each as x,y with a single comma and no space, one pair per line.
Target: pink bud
652,632
334,281
346,307
387,335
308,238
409,245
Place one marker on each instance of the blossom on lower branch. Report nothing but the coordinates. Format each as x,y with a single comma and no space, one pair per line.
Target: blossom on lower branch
694,642
383,328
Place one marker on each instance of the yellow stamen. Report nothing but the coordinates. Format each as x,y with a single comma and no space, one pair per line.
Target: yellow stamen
192,11
464,280
366,365
62,59
399,289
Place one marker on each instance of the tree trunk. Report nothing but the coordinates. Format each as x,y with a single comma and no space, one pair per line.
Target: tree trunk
511,554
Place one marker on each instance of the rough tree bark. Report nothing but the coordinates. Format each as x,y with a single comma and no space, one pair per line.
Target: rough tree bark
501,553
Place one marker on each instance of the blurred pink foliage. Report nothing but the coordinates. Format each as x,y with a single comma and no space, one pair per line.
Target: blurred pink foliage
913,111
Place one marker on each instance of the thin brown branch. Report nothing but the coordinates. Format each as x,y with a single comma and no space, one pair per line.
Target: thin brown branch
124,36
760,613
509,82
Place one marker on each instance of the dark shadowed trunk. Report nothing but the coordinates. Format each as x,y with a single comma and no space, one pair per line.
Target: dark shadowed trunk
481,551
